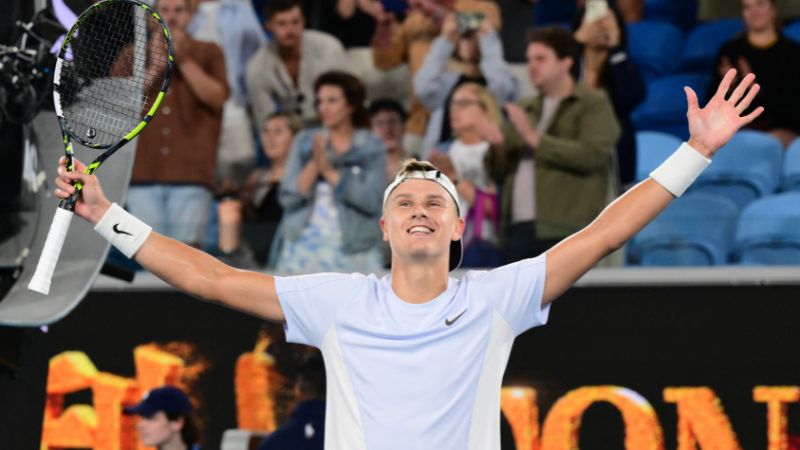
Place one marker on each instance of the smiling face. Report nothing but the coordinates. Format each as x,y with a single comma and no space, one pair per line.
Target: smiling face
332,106
420,219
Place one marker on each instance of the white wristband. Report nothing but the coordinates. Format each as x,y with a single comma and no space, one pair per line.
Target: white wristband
123,230
680,170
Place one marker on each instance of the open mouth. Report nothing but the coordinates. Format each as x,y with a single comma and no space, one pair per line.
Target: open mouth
420,229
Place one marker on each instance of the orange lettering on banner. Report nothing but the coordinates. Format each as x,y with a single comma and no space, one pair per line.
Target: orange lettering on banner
519,406
155,367
256,383
777,399
68,372
642,429
110,393
701,419
102,426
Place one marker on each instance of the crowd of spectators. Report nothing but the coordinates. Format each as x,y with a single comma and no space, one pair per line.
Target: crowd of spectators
275,136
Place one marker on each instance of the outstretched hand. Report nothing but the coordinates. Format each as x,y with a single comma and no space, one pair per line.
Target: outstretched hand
713,126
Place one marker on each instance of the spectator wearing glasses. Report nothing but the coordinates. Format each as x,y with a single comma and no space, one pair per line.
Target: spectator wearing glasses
466,51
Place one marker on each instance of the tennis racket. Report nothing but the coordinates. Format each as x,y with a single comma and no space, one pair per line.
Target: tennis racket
111,74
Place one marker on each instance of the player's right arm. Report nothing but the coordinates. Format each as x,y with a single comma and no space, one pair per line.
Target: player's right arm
184,267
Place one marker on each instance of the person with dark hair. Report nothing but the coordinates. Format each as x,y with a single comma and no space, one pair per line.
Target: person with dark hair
165,420
331,188
764,50
555,162
305,429
604,64
387,120
280,76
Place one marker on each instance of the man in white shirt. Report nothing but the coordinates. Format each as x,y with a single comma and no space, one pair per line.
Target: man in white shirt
415,359
280,77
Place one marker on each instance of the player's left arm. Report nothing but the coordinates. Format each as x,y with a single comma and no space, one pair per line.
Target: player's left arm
710,128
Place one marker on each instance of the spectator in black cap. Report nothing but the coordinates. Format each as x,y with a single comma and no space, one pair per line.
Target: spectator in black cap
165,420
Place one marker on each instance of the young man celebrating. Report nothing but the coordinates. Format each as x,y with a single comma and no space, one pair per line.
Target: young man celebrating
415,359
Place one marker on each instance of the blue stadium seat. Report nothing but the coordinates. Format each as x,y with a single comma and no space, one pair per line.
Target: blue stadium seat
792,31
664,108
655,47
768,232
652,148
790,174
695,230
746,168
704,42
682,13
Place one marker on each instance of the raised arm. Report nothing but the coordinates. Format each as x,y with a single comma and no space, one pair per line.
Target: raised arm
710,128
180,265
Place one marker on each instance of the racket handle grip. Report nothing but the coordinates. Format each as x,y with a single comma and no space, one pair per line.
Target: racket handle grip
40,282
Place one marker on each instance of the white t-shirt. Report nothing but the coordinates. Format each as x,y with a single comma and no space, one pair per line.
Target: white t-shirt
414,376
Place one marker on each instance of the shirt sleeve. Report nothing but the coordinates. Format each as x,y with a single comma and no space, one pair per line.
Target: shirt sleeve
515,291
310,304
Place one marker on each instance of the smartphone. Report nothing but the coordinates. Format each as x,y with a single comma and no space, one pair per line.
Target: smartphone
469,21
595,9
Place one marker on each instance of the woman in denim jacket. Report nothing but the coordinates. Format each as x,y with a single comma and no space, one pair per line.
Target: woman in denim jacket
332,190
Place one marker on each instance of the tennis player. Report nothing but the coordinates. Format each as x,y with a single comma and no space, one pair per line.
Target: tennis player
415,359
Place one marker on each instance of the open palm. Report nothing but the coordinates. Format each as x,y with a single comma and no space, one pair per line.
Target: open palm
711,127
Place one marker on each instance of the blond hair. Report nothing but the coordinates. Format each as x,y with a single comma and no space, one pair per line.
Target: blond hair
486,99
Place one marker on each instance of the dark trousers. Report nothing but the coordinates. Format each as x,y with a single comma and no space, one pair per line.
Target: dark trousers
521,242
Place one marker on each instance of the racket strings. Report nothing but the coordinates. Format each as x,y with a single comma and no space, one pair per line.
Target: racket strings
119,58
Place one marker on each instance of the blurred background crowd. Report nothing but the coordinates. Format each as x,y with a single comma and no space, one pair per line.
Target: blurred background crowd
286,119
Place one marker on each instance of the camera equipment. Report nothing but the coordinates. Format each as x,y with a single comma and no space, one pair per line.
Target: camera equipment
469,21
25,69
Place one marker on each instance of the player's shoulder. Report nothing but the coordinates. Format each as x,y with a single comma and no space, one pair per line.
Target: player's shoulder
507,272
341,282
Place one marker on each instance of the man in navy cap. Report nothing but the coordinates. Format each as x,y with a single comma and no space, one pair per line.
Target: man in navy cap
165,420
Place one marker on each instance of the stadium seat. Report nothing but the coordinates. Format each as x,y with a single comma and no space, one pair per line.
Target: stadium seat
790,176
681,13
655,47
652,148
768,232
695,230
664,108
746,168
792,31
704,42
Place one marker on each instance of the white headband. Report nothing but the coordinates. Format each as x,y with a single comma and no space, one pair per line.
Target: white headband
431,175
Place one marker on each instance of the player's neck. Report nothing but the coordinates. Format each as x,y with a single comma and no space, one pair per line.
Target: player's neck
418,283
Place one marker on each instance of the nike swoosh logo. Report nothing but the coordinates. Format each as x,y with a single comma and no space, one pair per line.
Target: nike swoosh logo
449,322
118,231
